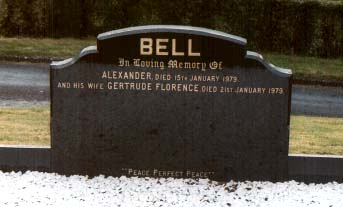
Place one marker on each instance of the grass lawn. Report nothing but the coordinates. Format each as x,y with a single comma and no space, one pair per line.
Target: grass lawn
309,68
46,48
25,126
309,135
316,135
328,2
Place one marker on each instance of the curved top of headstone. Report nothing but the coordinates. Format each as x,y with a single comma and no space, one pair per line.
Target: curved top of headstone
70,61
174,29
214,46
274,69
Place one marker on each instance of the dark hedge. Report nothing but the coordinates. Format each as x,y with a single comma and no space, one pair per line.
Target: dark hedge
296,27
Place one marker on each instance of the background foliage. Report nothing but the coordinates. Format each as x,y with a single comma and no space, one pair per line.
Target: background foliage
305,27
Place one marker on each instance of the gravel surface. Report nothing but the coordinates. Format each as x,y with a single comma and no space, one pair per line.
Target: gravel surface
45,189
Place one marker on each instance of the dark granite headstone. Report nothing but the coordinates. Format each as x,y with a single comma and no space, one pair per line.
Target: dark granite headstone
170,101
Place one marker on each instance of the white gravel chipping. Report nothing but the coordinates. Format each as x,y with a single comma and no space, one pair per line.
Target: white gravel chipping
48,189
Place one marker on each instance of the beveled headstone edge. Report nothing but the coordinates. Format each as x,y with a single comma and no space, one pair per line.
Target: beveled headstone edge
274,69
174,29
68,62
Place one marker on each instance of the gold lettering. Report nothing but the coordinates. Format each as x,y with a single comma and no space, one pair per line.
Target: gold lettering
131,86
95,85
63,85
78,85
190,52
179,87
104,75
160,47
146,46
174,52
123,63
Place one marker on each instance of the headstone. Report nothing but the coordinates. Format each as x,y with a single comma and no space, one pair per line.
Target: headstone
170,101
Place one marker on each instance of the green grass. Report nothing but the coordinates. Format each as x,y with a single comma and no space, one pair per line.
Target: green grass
309,135
46,48
316,135
323,2
309,68
25,126
327,2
